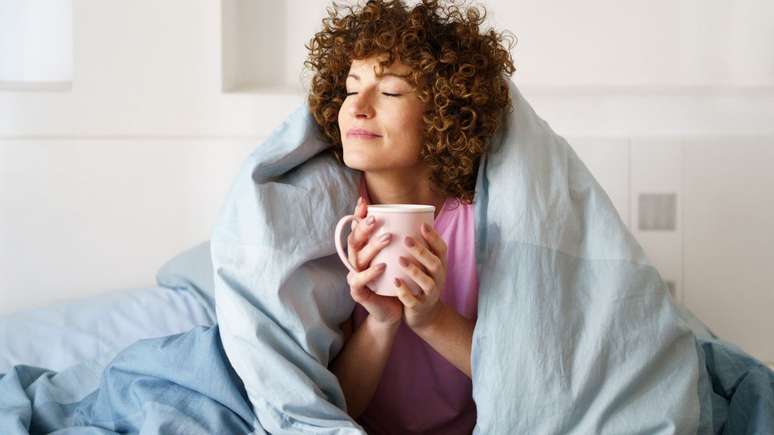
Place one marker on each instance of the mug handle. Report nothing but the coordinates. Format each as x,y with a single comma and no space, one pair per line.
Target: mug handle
339,249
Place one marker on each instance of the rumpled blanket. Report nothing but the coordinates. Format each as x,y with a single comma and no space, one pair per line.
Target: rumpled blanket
181,384
576,332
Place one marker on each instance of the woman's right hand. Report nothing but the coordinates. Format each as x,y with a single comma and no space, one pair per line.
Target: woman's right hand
385,310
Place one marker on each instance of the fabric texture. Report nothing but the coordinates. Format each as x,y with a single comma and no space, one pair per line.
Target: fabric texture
97,327
420,392
180,384
575,330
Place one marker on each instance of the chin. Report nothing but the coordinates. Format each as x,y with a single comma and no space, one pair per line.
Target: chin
357,163
358,160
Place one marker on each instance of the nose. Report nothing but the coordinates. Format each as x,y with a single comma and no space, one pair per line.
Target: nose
362,106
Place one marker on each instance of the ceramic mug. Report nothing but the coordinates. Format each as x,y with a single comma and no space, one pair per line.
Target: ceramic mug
400,220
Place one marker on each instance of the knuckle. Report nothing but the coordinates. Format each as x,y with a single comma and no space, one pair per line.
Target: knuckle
363,258
355,282
374,269
358,239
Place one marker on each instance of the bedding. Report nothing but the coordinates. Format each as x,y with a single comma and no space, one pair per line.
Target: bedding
576,332
97,327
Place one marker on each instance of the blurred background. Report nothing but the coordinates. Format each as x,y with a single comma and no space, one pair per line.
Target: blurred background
122,125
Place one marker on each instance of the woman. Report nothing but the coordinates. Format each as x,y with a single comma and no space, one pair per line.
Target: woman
411,99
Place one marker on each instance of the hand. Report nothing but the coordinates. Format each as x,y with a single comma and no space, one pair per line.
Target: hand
385,310
421,310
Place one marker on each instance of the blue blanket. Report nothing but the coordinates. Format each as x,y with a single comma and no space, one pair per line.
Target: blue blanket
181,384
576,332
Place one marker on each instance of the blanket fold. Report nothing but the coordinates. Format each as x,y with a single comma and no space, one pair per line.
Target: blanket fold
576,332
180,384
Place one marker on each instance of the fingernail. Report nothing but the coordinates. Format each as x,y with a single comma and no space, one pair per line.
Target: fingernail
409,241
403,262
381,266
370,220
426,228
397,283
384,237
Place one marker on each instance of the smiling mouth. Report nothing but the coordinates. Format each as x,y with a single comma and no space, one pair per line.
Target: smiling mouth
363,136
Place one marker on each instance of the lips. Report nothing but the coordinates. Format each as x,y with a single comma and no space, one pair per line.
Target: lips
362,133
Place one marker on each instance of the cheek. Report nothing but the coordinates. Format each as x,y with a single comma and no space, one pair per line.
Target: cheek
411,131
341,119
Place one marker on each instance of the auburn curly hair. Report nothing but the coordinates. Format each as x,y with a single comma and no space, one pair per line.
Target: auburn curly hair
459,73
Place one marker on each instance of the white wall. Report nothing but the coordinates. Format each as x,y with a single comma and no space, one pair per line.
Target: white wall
104,181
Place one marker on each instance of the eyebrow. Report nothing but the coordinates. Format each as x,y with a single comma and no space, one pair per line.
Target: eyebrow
403,77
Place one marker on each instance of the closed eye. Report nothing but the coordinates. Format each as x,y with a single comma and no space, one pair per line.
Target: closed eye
385,93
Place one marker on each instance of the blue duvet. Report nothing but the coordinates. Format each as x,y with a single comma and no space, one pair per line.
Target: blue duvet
576,332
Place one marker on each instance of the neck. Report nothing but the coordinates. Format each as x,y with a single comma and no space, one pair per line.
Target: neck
394,188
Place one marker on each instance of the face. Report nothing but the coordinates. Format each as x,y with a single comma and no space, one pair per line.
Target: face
388,108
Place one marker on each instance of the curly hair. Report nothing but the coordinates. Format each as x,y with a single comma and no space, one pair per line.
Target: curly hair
460,74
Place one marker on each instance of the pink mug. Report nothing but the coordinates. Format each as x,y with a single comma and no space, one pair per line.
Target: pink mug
400,220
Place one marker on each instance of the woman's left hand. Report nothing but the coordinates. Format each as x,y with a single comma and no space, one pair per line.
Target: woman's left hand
421,310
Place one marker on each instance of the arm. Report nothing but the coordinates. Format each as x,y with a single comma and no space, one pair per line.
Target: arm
445,330
360,363
451,335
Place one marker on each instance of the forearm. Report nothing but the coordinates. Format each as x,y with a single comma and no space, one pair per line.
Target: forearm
360,363
451,335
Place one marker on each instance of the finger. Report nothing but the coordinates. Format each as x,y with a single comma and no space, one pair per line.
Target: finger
426,283
352,252
360,279
425,256
357,240
405,295
361,295
435,241
376,244
363,231
361,209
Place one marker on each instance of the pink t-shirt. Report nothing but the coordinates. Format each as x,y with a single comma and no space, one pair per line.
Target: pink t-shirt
420,391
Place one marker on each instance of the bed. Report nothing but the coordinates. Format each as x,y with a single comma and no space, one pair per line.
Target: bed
87,334
98,327
61,335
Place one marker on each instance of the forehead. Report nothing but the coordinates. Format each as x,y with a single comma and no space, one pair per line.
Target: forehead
371,66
